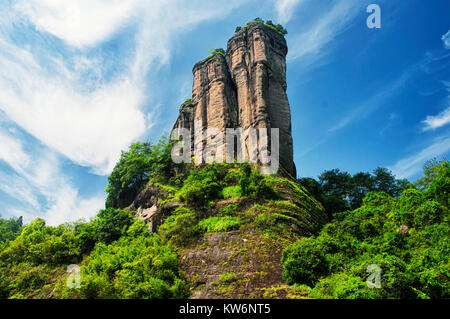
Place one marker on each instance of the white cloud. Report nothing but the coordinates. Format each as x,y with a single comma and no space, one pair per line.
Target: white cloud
285,9
433,122
332,22
40,186
411,165
67,205
437,121
60,95
90,129
11,151
446,39
91,124
79,22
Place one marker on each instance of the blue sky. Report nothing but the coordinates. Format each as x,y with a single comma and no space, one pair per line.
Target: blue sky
79,82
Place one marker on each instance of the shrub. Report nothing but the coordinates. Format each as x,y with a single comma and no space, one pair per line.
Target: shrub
232,192
201,186
227,278
219,224
180,227
135,167
10,228
39,244
140,267
413,259
219,51
340,286
110,224
304,262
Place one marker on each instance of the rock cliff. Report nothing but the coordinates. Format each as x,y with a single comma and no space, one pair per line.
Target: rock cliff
243,88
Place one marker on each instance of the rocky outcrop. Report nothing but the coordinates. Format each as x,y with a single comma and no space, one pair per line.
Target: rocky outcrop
244,88
147,206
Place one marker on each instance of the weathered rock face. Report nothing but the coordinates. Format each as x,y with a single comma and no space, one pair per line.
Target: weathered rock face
245,89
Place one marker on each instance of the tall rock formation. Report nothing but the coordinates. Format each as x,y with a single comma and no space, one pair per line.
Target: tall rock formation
244,88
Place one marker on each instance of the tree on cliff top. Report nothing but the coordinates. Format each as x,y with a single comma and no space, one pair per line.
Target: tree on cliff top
278,28
135,167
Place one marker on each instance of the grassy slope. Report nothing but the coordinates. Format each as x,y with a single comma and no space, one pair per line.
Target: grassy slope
234,246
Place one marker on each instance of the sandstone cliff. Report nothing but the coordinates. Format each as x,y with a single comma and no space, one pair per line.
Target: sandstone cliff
245,88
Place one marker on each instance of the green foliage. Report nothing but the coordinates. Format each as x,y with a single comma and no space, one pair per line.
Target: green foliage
259,20
229,210
132,267
119,257
111,224
201,186
431,168
44,246
227,278
19,281
278,28
180,227
217,181
10,228
253,184
339,191
219,224
219,51
39,244
406,236
232,192
135,167
304,262
340,286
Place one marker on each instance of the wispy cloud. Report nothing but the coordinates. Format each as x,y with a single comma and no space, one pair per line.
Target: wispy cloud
392,119
90,123
78,97
433,122
437,121
40,186
285,9
446,39
331,22
412,165
373,103
80,23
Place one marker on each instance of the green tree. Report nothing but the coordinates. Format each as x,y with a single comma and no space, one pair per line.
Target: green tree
360,184
281,29
135,167
384,181
111,224
10,228
406,236
431,168
335,186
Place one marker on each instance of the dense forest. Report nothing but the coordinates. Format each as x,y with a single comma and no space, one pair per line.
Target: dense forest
329,229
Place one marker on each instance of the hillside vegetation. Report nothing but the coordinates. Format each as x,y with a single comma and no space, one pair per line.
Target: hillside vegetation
407,237
226,231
